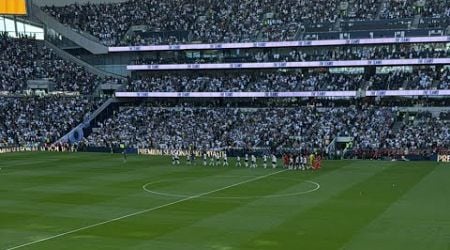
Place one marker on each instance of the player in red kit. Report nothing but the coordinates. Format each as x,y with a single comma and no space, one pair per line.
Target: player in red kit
286,160
317,162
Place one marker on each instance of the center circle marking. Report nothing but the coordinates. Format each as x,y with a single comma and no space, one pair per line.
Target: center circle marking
146,186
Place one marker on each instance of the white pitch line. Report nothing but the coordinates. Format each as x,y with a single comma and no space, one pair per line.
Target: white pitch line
317,187
144,211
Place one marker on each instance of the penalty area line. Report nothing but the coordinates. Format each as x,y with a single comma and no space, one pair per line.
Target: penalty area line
143,211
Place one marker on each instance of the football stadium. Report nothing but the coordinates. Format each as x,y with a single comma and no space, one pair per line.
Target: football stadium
253,124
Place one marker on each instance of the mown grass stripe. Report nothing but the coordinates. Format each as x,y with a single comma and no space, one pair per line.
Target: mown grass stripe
142,212
332,223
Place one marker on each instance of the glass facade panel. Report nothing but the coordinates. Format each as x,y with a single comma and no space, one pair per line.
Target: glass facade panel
16,28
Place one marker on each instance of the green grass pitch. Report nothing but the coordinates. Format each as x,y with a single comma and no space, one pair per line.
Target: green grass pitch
95,201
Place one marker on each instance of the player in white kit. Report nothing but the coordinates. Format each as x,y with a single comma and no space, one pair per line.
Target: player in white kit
188,159
304,162
265,161
205,158
225,160
238,161
217,159
177,158
297,162
211,159
274,161
254,165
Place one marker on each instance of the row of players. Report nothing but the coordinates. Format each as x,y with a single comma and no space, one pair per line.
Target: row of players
299,162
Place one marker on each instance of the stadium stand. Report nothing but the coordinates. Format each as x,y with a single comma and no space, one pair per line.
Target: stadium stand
33,120
410,8
179,21
290,80
40,121
411,51
23,59
239,82
209,20
278,129
144,88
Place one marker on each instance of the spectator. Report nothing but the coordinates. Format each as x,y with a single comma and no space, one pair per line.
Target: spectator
290,80
25,59
210,21
303,128
36,121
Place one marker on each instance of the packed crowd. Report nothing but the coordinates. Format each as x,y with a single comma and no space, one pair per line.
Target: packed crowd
410,8
424,78
363,9
424,131
422,135
368,53
279,129
225,21
209,21
292,80
310,54
36,121
399,9
258,82
23,59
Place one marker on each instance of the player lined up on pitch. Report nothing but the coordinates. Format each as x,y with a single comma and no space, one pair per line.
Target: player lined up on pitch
289,161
